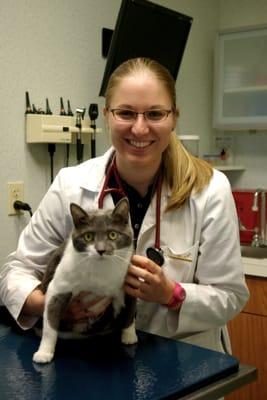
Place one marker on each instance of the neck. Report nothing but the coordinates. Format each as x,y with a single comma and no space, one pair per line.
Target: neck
139,178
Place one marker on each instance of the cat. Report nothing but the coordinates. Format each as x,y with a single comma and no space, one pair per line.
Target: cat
95,259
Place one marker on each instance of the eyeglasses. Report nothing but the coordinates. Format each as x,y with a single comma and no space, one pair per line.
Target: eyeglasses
124,115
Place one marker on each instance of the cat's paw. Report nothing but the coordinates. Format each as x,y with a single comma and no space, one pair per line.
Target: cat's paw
129,336
42,357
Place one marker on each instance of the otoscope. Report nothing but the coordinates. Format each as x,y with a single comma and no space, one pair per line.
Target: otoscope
93,114
28,104
79,116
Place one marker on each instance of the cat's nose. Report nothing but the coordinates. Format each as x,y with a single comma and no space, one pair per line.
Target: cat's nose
101,252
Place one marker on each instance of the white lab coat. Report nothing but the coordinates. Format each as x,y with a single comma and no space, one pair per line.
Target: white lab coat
200,243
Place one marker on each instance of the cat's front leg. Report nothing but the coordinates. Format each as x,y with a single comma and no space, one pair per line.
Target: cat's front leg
47,346
128,335
54,308
118,303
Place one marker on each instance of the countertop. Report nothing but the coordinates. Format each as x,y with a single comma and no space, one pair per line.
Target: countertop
156,368
255,266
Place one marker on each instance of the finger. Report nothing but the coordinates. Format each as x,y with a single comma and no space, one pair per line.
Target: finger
99,308
145,263
100,305
81,296
94,301
136,292
143,275
132,281
75,314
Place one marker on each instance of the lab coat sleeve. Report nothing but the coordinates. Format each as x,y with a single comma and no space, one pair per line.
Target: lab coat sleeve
24,268
218,292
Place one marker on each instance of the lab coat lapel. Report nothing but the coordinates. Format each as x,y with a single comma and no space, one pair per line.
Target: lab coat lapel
94,182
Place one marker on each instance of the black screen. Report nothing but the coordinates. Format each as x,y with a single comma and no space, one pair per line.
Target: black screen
145,29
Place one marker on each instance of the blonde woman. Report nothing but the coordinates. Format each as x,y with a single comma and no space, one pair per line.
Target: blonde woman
186,272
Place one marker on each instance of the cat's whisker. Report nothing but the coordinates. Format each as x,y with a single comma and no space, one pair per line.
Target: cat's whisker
121,258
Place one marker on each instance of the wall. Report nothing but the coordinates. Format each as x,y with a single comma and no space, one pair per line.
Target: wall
53,49
195,79
250,148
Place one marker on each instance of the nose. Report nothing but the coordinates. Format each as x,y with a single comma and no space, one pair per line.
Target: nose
101,252
140,125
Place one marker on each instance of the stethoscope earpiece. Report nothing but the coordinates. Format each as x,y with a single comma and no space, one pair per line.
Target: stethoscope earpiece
155,255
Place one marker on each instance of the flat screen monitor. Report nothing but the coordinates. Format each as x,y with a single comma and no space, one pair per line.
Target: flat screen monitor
146,29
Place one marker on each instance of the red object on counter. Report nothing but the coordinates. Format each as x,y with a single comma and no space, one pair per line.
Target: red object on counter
248,218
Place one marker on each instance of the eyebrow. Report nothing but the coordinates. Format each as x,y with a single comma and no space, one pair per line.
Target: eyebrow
129,107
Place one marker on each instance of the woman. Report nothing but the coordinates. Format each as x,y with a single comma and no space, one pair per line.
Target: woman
201,283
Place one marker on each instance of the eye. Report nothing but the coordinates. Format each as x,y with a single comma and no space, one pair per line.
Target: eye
89,237
126,115
112,235
156,115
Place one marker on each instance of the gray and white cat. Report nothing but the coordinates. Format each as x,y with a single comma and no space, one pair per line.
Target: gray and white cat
95,259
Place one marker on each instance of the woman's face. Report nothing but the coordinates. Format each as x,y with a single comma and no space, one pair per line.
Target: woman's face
140,143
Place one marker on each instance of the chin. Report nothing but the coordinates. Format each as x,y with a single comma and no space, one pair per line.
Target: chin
144,160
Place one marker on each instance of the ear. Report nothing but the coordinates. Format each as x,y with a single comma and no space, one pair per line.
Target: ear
176,114
105,113
122,209
79,216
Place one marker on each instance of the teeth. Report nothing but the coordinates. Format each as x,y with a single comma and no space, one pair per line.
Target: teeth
139,144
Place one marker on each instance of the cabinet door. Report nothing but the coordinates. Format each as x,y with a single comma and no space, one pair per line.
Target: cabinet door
257,303
240,98
248,335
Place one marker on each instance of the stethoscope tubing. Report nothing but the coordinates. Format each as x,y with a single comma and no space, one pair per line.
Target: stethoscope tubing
154,253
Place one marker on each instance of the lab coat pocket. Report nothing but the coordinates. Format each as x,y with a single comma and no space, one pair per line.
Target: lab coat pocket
180,264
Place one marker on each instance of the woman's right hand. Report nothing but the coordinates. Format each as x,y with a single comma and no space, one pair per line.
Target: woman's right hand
86,305
34,304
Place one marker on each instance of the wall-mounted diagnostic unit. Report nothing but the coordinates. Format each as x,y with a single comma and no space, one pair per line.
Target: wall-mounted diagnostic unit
65,128
42,128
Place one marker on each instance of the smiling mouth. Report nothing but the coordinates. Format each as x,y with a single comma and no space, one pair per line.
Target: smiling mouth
140,145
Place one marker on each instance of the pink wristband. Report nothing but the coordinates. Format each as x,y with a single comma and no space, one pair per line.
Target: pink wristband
178,296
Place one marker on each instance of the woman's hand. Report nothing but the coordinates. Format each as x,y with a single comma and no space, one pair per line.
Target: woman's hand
81,307
147,281
34,304
86,305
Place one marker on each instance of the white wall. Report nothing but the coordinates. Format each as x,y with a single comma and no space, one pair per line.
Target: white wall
53,48
50,48
250,148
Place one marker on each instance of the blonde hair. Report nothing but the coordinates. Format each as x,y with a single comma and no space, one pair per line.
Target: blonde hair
182,171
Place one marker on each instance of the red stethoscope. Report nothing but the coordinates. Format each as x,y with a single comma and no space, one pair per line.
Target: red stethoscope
154,253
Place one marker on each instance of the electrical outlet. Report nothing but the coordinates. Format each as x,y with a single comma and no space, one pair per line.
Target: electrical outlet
15,192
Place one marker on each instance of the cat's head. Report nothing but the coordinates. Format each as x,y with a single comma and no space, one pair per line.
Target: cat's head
102,232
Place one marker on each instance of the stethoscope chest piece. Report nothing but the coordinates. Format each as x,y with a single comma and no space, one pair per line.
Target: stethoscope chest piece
155,255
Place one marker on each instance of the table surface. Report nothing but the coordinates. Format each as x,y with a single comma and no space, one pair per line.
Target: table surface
156,368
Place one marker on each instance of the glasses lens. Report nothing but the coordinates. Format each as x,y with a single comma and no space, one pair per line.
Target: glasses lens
156,115
124,115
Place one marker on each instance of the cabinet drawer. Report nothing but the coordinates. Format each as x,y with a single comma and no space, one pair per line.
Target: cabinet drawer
257,303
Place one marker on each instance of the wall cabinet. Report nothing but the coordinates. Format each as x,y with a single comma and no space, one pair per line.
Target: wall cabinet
240,83
248,332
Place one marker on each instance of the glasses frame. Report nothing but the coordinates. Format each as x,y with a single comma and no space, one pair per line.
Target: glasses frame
136,113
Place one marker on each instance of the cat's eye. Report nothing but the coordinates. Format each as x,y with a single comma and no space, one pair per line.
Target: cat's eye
112,235
89,236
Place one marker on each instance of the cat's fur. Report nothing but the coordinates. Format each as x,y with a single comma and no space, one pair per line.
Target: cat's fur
98,265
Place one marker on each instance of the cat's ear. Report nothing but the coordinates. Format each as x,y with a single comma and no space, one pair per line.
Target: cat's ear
79,216
122,210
